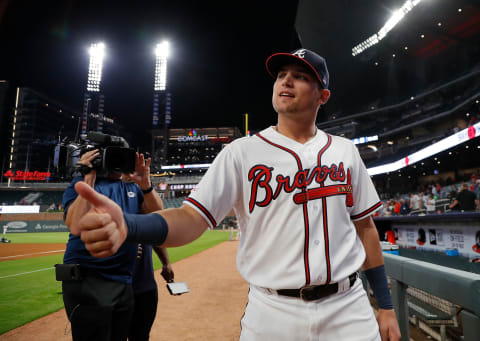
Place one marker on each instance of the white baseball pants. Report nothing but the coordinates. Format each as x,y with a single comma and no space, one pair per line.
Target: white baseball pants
347,316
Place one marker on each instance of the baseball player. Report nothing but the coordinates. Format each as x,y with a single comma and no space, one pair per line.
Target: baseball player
303,200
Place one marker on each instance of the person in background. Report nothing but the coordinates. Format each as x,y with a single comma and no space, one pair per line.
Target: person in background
144,284
404,207
146,291
416,202
476,190
465,200
398,206
430,204
99,302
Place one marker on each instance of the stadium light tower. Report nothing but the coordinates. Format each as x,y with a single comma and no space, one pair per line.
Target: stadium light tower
161,95
97,53
162,52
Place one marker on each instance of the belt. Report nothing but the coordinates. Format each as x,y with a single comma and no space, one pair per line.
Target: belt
316,292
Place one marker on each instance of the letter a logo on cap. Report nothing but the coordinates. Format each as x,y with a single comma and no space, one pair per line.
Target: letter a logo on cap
300,53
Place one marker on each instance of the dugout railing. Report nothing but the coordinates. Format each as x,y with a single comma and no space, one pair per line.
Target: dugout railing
461,288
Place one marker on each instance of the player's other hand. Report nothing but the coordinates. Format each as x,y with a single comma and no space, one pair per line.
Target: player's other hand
103,228
388,324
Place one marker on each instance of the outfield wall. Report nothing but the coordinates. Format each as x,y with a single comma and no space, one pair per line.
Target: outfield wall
39,222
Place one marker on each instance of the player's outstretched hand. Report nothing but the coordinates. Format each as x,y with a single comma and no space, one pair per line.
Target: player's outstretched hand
103,228
388,324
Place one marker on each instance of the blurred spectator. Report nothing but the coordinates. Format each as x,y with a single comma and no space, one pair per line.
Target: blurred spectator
465,200
476,189
416,202
430,204
405,207
396,209
52,207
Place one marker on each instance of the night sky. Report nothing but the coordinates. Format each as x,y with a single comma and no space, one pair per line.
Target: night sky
216,72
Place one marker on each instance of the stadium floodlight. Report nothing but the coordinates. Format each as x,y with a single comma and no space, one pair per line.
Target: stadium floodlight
396,17
162,51
97,52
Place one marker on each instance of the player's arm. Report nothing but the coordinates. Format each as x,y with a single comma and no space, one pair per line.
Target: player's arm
105,227
167,270
374,270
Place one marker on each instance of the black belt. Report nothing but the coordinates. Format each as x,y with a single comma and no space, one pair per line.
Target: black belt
316,292
73,272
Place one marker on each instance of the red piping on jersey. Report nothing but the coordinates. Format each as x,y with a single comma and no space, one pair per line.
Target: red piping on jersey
364,213
305,212
299,163
325,220
204,210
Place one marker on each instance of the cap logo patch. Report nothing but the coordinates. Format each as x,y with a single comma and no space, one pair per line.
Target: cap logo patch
300,53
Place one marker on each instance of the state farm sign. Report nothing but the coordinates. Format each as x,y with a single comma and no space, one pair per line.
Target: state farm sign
21,175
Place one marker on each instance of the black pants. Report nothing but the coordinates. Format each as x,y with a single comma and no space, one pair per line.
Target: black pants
98,309
143,315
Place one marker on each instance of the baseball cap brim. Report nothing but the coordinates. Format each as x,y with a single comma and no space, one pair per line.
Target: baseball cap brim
277,60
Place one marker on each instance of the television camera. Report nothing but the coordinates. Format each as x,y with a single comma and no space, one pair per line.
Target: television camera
115,154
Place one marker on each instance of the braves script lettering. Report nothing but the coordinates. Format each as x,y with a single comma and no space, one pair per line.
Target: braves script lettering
261,178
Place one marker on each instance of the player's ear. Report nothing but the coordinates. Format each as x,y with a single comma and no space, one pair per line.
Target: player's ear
324,96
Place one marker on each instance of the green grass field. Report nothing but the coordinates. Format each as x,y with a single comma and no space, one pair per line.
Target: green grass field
28,286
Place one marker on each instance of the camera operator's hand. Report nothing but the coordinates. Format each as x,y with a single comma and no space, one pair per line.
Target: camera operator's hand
87,158
141,176
103,228
85,166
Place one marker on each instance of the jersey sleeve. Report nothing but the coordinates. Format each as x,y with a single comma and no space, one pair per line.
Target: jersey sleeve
365,197
219,188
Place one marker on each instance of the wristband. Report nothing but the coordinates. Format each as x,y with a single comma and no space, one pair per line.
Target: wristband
377,278
151,229
148,190
83,169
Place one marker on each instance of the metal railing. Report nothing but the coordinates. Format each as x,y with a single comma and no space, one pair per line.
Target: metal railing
459,287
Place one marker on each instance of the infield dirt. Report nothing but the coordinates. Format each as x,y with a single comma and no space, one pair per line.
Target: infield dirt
211,311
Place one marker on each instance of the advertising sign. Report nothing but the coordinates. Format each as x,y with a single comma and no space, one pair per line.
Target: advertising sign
20,226
21,175
440,239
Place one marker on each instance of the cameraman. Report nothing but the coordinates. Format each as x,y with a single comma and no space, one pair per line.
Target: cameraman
144,285
99,299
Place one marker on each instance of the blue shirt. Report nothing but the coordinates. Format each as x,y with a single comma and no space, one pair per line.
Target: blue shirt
119,267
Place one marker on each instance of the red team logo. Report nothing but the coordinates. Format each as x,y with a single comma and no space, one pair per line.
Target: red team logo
261,176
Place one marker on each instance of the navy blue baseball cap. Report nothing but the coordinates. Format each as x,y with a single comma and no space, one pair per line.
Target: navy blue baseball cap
305,57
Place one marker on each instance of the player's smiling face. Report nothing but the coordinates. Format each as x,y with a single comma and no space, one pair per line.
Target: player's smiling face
296,90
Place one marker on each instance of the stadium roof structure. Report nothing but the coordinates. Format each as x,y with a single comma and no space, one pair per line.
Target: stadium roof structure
436,41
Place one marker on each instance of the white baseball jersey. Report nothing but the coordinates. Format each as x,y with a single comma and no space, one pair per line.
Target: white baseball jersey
294,203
